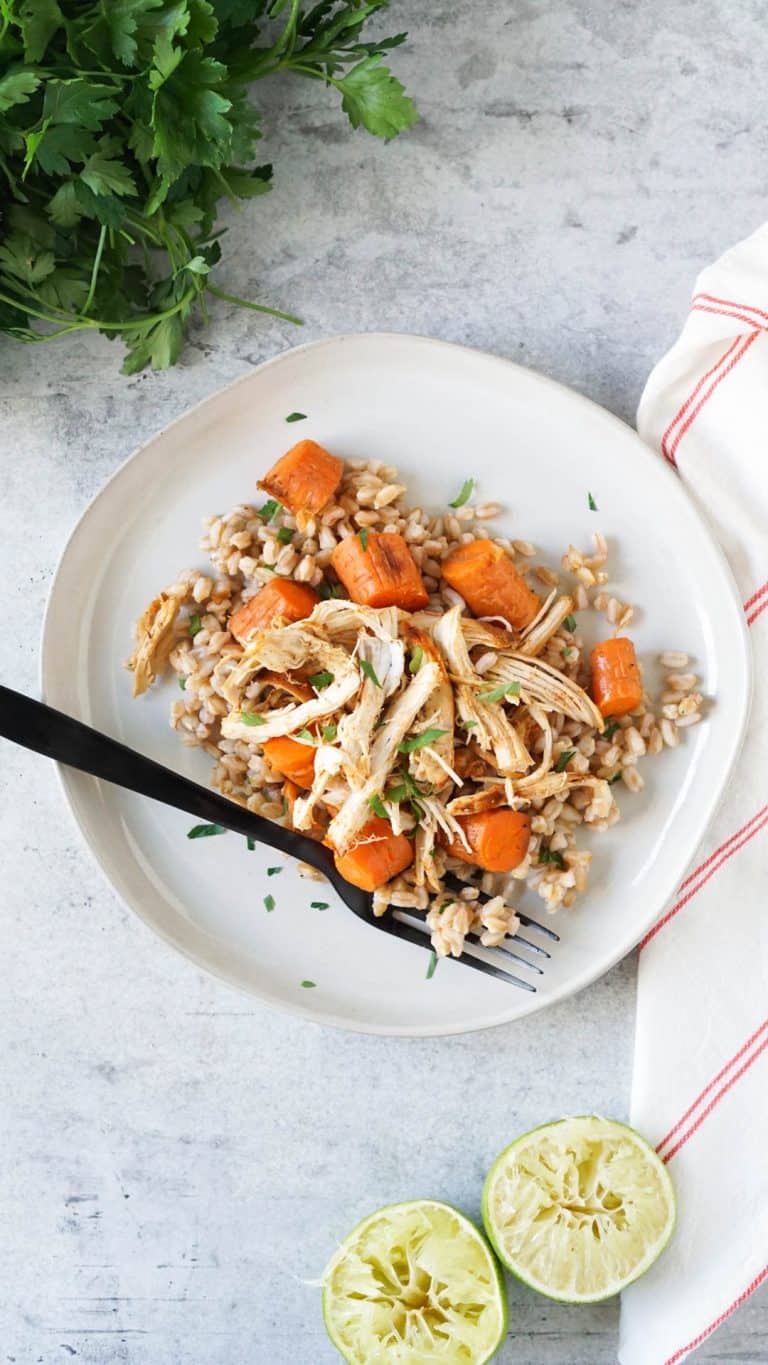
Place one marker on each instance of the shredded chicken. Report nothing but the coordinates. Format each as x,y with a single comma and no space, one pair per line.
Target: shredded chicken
155,635
490,728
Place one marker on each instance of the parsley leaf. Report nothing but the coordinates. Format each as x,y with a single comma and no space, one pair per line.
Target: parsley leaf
296,417
252,718
285,535
363,534
329,733
549,855
309,985
270,509
327,590
250,844
464,495
431,966
592,505
377,806
564,760
321,680
426,737
269,904
204,831
610,729
415,660
497,693
369,671
195,624
318,905
616,778
183,684
304,736
569,623
373,97
273,871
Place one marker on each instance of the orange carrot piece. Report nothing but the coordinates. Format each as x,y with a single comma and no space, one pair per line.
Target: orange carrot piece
380,572
305,478
280,599
292,760
379,856
489,583
617,687
498,839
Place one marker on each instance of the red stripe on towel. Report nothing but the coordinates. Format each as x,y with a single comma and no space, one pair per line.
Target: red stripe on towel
713,1103
691,1345
737,1056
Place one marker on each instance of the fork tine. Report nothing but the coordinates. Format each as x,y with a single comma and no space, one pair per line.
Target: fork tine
497,947
455,883
392,924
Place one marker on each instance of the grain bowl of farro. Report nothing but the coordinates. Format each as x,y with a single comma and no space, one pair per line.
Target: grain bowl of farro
435,633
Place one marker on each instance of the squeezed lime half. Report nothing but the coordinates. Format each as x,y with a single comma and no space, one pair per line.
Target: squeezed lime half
415,1284
579,1208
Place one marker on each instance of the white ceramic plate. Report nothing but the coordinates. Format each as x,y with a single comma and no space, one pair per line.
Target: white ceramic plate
440,413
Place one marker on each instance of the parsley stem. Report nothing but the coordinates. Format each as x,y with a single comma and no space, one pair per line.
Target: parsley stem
95,271
257,307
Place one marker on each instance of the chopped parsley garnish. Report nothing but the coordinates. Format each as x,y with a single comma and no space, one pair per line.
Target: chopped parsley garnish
309,985
564,759
264,565
269,510
570,623
195,624
613,779
327,590
329,733
610,729
318,905
269,903
592,505
416,658
377,806
549,855
305,736
183,684
285,535
296,417
464,495
568,653
369,671
432,965
497,693
250,843
408,789
363,534
321,680
204,831
426,737
251,718
273,871
469,724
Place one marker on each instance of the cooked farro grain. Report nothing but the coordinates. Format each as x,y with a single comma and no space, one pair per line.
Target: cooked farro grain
578,759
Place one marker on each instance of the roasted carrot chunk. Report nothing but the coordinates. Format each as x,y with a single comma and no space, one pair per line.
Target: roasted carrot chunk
379,856
293,760
280,599
489,583
617,687
498,839
305,478
378,570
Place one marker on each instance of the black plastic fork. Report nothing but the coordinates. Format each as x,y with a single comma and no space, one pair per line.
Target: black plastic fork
36,726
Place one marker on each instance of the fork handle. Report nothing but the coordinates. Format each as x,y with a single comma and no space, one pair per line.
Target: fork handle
36,726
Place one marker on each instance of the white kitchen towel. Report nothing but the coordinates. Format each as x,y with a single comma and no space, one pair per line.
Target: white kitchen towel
700,1084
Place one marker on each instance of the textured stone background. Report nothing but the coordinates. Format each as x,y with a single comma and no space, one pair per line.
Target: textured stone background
176,1160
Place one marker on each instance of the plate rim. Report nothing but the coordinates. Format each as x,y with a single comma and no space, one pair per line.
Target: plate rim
73,783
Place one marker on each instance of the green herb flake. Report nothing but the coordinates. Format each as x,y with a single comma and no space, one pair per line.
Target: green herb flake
498,693
564,760
269,904
469,724
369,671
568,653
250,844
271,567
549,855
377,806
329,733
363,534
309,985
183,684
416,658
592,505
321,680
305,736
195,625
431,966
409,746
251,718
270,510
610,729
616,778
464,495
285,535
569,623
319,905
326,591
204,831
273,871
296,417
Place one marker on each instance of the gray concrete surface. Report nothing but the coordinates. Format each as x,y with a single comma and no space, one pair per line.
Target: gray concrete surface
177,1161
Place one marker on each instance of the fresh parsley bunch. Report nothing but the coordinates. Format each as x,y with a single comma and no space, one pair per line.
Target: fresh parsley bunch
123,123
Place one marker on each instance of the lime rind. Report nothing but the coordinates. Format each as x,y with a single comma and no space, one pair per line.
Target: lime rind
415,1284
579,1208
